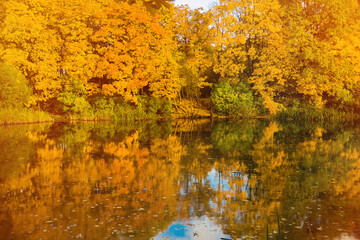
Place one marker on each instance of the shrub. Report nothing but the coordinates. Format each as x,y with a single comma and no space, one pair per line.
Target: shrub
231,101
223,98
155,106
14,88
103,107
74,98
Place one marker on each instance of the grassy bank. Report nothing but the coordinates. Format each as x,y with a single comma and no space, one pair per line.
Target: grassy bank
118,110
148,109
119,113
23,115
114,112
154,109
310,113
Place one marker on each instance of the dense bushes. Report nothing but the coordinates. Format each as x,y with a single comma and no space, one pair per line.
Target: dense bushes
230,100
147,108
156,106
15,97
103,107
75,103
73,98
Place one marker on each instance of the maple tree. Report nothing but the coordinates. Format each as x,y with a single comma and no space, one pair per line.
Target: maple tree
194,35
29,44
323,50
151,5
135,51
111,47
250,46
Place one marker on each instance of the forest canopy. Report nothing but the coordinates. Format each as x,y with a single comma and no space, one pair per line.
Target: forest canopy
263,55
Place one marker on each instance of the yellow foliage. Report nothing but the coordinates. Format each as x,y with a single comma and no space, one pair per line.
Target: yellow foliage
322,50
251,46
194,34
109,46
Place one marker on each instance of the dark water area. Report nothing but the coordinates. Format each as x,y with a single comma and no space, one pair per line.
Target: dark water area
180,179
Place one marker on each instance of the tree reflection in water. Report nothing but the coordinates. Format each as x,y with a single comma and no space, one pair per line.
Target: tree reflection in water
181,179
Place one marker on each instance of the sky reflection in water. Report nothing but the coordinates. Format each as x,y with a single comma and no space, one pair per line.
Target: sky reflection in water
200,228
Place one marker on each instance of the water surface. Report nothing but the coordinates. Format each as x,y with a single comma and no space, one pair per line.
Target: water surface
180,180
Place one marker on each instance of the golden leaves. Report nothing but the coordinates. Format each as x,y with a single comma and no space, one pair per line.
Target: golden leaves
194,34
136,51
98,42
303,49
321,69
251,46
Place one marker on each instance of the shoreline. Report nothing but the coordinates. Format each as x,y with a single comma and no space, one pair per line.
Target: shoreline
72,119
18,116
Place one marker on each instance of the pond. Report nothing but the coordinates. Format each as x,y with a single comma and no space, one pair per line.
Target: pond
180,179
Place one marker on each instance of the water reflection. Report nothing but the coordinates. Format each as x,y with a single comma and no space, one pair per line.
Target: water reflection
201,227
179,180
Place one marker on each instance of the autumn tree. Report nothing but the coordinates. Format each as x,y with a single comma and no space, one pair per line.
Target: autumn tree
30,43
323,49
111,47
75,25
135,52
250,46
151,5
194,36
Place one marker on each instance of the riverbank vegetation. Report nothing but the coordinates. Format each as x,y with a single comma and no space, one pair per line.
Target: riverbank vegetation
109,59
